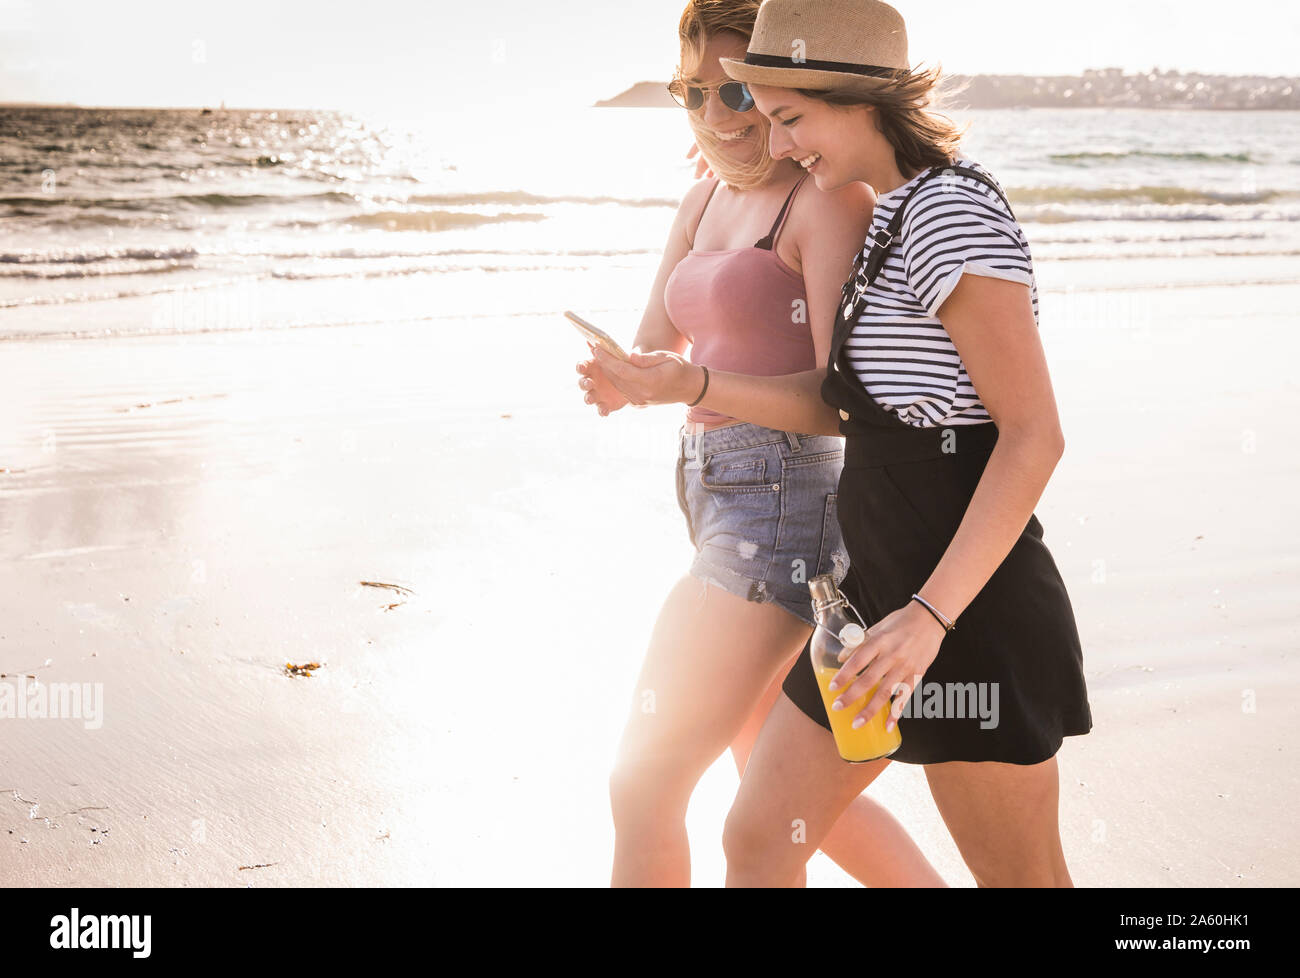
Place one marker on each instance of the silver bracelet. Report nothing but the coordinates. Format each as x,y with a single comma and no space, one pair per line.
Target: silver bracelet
939,616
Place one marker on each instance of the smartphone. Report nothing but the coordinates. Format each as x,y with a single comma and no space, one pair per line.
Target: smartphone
596,335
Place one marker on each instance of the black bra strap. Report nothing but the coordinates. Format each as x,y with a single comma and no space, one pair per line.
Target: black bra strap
767,242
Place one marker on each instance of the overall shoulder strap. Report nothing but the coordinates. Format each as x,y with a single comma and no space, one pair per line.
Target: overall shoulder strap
865,272
966,171
883,238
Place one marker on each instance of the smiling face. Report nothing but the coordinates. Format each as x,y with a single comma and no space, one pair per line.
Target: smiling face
830,142
739,134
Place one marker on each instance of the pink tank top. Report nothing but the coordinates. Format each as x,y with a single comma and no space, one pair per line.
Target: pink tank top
744,310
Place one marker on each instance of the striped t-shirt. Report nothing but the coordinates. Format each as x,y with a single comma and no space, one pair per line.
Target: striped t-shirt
899,349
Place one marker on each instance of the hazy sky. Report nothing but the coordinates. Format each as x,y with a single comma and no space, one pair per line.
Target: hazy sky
505,53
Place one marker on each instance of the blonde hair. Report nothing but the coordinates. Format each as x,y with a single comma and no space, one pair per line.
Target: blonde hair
702,20
921,137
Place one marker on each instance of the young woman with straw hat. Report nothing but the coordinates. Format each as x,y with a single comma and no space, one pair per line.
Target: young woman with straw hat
942,389
751,276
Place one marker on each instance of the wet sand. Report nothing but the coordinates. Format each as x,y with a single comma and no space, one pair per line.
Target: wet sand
181,516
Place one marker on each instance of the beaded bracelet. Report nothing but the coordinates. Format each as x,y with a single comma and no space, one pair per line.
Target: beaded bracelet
947,625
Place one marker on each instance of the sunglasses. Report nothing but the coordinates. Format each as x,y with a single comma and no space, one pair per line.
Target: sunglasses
734,95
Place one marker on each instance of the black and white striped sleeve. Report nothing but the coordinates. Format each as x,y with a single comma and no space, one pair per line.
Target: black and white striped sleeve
953,228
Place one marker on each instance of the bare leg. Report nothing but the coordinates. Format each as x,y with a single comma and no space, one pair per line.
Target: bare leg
1003,818
744,742
794,789
867,842
711,656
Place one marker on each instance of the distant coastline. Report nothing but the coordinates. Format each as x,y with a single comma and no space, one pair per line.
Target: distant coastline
204,109
1102,88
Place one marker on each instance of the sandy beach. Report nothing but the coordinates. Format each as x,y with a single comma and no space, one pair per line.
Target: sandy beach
181,516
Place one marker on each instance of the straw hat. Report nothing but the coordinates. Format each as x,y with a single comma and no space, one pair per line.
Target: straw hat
824,45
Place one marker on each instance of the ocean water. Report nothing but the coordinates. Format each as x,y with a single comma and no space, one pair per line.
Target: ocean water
120,222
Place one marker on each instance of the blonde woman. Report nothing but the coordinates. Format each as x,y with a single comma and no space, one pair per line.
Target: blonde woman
940,382
749,280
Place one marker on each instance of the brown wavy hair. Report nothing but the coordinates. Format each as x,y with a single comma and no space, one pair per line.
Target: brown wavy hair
922,137
702,20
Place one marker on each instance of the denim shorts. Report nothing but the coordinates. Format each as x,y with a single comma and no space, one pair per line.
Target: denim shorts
760,509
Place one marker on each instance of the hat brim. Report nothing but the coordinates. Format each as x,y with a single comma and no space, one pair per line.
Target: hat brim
810,78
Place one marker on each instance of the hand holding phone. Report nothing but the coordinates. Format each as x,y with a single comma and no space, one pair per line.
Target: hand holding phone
597,336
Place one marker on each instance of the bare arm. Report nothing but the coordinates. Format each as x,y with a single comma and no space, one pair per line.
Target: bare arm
657,331
991,323
790,402
828,232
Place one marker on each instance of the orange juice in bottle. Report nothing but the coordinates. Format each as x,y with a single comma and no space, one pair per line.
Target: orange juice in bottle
834,632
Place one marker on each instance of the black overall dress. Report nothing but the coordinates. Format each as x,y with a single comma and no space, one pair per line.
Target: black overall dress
1007,683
